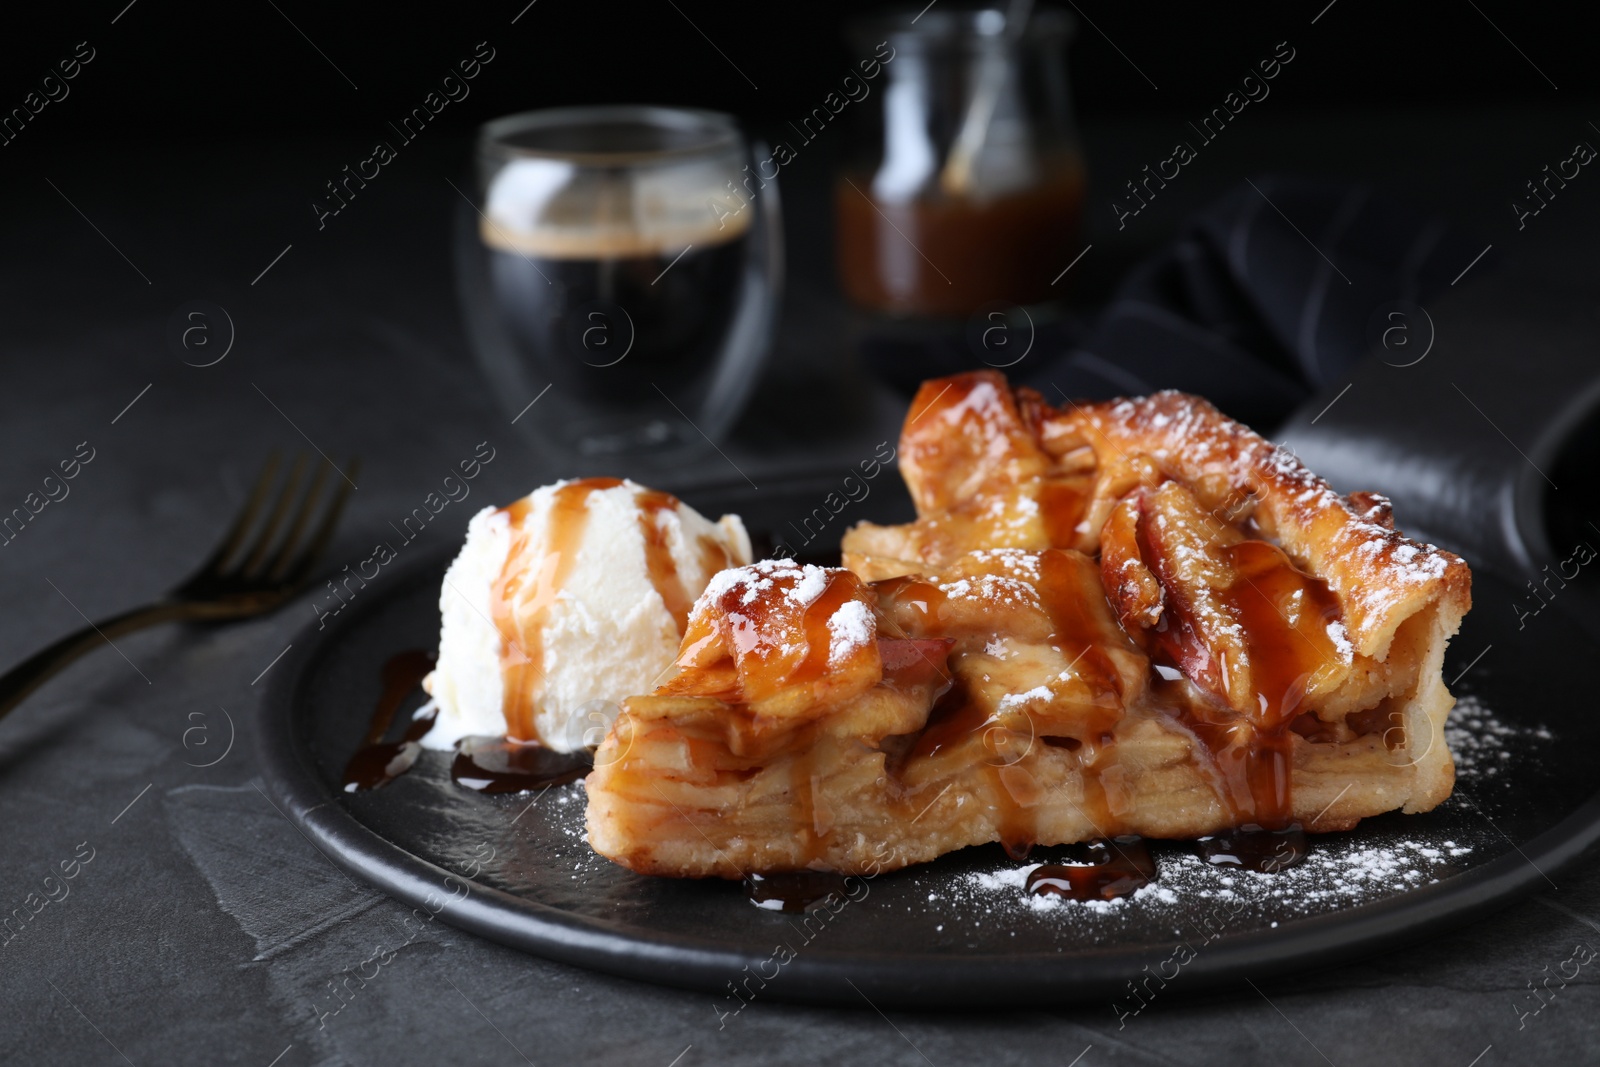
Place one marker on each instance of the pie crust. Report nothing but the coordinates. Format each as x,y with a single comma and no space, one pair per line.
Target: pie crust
1129,617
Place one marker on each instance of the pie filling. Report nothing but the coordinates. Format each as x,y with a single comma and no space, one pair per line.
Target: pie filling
1129,618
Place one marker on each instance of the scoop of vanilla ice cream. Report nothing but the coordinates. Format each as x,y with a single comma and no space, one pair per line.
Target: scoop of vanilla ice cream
591,614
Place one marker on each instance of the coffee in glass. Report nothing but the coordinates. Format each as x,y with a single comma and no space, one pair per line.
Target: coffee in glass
624,259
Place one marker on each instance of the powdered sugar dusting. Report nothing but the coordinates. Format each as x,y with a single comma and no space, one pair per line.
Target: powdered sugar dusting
1341,640
1017,561
1018,700
806,582
1482,743
1175,427
1014,880
852,627
812,582
1339,871
993,589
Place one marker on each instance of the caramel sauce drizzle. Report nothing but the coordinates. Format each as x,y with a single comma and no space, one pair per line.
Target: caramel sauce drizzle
714,557
768,643
658,555
528,587
1063,501
378,762
1284,615
1078,635
956,716
533,586
793,891
803,789
1097,870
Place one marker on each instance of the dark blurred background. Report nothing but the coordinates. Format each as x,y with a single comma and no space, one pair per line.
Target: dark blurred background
1422,90
196,71
1419,90
190,149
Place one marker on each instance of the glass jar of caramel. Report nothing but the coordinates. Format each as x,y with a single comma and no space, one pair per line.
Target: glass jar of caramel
964,184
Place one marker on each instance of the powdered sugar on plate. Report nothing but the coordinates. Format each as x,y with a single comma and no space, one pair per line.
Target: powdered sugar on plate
1481,742
1340,871
1015,880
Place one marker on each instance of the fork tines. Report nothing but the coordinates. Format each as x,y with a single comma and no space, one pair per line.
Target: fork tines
276,549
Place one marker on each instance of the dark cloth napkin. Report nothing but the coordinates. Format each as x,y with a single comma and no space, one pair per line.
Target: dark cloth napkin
1266,296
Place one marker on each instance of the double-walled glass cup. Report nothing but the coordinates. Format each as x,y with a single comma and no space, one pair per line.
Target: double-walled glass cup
621,274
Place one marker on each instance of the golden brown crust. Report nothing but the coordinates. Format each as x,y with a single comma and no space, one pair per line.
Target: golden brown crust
1381,576
962,435
1148,780
1004,441
1135,616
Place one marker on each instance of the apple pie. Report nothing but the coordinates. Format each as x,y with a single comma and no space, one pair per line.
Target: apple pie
1129,617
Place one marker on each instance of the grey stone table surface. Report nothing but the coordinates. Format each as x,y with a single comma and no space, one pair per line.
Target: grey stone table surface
201,927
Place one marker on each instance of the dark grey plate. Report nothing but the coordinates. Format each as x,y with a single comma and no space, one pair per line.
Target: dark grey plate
516,869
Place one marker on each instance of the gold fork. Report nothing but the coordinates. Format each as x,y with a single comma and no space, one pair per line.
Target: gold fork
244,577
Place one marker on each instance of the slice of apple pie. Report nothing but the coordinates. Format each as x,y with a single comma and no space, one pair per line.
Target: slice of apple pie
1132,617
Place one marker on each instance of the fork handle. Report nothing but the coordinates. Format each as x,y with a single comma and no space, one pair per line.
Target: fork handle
31,673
